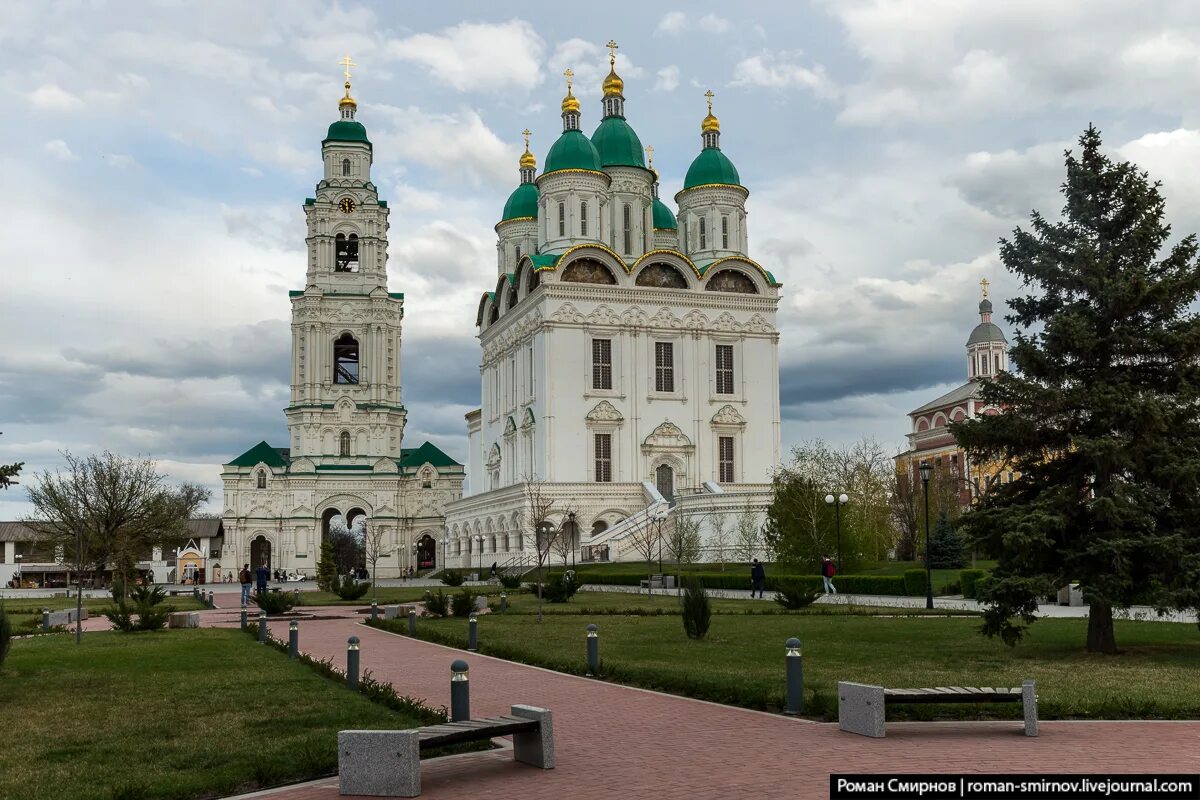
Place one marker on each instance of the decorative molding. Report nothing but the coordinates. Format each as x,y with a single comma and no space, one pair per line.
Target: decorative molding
604,412
667,436
728,416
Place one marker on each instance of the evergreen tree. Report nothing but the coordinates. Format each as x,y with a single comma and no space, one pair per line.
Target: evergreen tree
327,571
1101,421
947,544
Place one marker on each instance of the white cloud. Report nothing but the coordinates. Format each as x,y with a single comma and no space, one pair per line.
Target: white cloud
714,24
668,79
477,56
120,160
781,71
59,149
51,97
589,62
672,23
459,144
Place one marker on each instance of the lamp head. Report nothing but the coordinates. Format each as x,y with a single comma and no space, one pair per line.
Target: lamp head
926,471
843,499
829,499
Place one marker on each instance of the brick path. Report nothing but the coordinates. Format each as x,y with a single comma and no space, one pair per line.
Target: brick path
614,741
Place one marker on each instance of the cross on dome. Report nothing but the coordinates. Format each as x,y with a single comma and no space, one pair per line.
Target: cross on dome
346,65
570,103
983,285
612,51
347,103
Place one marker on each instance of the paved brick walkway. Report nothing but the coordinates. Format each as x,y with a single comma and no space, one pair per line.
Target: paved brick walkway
614,741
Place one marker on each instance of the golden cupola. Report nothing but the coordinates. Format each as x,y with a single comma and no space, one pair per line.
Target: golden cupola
613,85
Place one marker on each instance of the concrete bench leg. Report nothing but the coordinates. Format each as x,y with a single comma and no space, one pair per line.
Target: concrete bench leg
535,748
860,708
1029,701
379,763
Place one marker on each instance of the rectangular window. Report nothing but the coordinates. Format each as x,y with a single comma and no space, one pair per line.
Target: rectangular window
724,369
583,219
512,380
601,363
725,456
604,458
628,230
983,364
664,367
997,370
703,236
725,232
531,370
562,219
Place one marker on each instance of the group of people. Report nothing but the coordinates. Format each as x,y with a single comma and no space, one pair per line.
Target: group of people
257,579
758,576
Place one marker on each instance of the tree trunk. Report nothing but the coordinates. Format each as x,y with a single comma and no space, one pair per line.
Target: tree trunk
1100,636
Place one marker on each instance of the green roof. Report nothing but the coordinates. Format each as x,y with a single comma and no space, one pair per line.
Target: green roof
347,130
543,260
427,452
663,216
572,150
523,202
262,453
617,144
711,166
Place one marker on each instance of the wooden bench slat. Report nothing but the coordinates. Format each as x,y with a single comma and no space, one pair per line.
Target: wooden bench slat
473,730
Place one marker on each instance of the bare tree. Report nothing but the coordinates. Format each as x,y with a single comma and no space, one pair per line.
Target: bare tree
374,549
720,535
538,507
747,537
647,540
105,509
683,541
565,542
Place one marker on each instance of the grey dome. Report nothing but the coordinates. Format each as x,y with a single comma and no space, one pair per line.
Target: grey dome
985,306
986,332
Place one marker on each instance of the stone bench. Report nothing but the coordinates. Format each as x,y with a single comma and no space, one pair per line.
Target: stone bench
861,706
58,618
388,763
397,611
183,619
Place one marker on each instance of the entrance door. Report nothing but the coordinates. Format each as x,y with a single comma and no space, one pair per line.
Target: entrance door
426,552
664,479
260,553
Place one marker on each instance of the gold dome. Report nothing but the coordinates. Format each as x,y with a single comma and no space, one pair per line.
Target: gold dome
570,102
613,85
347,100
710,123
528,161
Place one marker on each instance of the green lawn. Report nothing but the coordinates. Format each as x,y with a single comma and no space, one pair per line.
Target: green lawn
20,605
385,595
170,714
741,661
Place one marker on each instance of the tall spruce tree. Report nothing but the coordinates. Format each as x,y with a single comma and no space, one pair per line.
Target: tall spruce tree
1102,421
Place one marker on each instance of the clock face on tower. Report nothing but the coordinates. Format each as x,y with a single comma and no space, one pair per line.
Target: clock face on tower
346,205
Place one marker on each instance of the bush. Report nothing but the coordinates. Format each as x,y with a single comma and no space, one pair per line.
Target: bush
146,614
915,582
510,581
850,584
969,579
437,605
274,602
557,588
452,578
327,571
697,611
351,589
463,602
5,635
793,595
150,595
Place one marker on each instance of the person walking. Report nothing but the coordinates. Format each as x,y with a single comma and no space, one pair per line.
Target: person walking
758,578
828,570
244,579
261,575
493,571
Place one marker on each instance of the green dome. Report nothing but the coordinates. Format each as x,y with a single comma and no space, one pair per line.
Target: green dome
663,217
617,144
572,150
523,202
711,166
347,130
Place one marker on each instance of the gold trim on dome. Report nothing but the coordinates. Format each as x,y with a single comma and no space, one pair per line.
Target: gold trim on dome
575,169
712,266
503,222
665,251
712,186
596,246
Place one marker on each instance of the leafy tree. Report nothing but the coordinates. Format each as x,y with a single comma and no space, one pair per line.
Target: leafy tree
8,472
747,536
947,545
327,571
1100,421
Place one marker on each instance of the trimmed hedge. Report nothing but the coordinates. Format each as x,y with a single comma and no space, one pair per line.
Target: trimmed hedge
915,582
848,584
968,578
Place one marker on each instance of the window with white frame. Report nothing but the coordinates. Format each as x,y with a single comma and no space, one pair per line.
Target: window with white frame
664,366
703,234
725,232
628,228
529,362
603,455
562,219
724,359
583,218
725,459
601,363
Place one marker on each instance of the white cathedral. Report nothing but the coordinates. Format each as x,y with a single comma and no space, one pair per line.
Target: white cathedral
630,355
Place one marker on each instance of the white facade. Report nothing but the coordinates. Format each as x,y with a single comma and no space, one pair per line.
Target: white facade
346,416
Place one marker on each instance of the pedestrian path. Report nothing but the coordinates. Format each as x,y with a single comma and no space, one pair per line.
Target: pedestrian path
614,741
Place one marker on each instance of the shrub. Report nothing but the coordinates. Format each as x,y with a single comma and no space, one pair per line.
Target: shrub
510,581
793,595
463,602
327,571
557,588
351,589
947,545
274,602
969,579
697,611
5,635
437,604
850,584
452,578
915,582
150,595
146,614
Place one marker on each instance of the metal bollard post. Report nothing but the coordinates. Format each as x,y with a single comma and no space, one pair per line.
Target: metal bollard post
503,603
795,677
243,619
295,597
262,627
45,619
374,610
412,622
472,634
352,662
212,600
294,639
460,692
593,649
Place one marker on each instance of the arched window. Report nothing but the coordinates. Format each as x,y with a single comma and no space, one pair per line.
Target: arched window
583,218
345,360
725,232
562,219
262,479
344,444
703,234
426,480
346,253
345,168
664,480
628,229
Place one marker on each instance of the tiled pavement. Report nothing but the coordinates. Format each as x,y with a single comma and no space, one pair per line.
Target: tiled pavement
615,741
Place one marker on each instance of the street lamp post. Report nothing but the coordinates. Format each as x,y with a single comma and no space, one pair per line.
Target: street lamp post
479,541
18,558
927,473
571,521
837,503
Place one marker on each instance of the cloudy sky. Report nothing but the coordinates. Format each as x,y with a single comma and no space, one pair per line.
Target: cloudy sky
156,156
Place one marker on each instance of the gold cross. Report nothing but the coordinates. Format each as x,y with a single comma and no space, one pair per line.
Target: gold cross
347,64
569,73
650,150
612,51
527,133
709,95
984,284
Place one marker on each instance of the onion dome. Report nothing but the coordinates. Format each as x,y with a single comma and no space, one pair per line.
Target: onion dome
664,218
523,202
986,332
347,129
613,85
572,149
614,139
711,166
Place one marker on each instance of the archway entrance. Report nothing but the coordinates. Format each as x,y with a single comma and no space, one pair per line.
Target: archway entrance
664,479
326,517
260,552
426,552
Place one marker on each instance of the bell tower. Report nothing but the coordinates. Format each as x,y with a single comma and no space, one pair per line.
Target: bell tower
345,399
